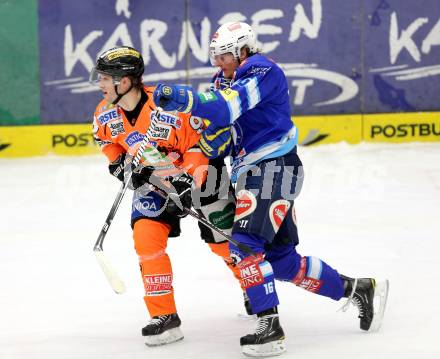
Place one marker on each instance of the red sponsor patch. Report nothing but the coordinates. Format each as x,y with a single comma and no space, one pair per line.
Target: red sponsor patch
250,272
311,284
158,284
277,213
301,272
246,204
234,26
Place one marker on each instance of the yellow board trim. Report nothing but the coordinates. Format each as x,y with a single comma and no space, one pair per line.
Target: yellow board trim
74,139
26,141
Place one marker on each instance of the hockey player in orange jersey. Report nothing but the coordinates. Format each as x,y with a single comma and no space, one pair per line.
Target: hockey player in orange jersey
120,121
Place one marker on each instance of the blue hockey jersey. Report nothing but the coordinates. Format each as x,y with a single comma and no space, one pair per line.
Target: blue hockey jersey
257,107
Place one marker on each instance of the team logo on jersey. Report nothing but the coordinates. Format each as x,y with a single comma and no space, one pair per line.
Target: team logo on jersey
277,213
170,119
134,138
116,127
246,204
107,116
158,284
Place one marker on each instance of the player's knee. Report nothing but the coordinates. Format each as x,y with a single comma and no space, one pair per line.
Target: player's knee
221,249
150,238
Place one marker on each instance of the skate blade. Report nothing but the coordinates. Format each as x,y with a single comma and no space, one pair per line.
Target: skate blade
381,296
245,316
167,337
264,350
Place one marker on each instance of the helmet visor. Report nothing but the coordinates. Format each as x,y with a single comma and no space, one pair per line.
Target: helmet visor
222,59
96,76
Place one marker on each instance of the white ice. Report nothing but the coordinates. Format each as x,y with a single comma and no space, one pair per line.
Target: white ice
368,210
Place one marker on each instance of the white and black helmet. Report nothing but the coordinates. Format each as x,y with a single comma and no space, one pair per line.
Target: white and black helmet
232,37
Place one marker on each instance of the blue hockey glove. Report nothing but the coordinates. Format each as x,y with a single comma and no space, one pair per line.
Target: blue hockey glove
174,97
216,141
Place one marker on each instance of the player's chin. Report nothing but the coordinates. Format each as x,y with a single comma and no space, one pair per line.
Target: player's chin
109,98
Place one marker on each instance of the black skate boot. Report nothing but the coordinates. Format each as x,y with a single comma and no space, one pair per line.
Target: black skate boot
163,329
268,339
361,292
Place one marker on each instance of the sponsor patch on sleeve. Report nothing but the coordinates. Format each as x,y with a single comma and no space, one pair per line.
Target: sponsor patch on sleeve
107,116
207,97
229,94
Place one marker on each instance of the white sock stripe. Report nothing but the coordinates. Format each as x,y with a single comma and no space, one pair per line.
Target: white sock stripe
314,267
266,269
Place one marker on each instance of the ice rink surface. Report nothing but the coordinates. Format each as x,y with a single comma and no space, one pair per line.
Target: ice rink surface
368,210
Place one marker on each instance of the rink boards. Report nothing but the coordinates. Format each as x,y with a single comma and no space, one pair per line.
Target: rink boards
77,139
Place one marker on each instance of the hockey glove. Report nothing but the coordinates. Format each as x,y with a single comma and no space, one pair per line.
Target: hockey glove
182,185
117,167
174,97
216,141
142,176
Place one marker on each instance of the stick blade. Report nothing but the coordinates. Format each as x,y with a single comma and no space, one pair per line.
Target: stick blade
115,282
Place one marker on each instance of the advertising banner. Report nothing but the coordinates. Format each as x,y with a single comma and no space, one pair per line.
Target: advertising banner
402,56
27,141
340,57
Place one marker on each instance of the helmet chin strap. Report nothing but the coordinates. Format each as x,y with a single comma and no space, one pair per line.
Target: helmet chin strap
119,96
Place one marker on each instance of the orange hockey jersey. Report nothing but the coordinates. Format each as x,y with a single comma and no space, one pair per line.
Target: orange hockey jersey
178,133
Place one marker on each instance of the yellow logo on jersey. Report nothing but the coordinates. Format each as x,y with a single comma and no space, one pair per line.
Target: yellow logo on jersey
167,90
229,94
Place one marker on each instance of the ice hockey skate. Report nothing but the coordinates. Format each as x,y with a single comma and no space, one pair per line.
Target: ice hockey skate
163,329
268,338
370,297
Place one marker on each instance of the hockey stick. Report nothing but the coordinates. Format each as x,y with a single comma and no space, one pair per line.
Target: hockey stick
113,278
243,247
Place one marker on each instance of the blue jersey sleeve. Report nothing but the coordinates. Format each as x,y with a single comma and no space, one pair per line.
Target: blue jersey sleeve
255,84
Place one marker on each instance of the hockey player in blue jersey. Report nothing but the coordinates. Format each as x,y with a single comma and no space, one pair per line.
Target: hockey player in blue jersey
249,115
